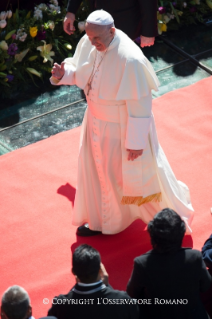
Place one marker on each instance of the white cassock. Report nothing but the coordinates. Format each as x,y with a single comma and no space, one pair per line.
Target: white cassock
112,192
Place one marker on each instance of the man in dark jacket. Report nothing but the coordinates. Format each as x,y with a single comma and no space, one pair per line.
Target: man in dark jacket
207,252
169,276
91,297
134,17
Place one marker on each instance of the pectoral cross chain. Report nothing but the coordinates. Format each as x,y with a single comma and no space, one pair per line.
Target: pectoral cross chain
89,88
97,69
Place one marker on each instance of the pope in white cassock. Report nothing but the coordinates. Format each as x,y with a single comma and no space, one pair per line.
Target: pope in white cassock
123,173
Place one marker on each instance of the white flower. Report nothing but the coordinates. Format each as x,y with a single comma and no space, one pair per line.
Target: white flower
51,25
38,14
3,24
9,14
42,7
55,2
81,26
54,8
3,45
23,37
171,16
166,18
3,15
184,4
46,52
19,57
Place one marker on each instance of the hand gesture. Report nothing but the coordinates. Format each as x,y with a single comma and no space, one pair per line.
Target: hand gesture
133,154
68,23
146,42
104,274
58,70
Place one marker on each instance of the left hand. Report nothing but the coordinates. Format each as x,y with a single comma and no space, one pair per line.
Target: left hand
146,42
58,70
104,274
133,154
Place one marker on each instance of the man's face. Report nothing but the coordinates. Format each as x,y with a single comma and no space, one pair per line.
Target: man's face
99,36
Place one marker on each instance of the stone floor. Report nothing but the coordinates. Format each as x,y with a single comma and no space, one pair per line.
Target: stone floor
179,59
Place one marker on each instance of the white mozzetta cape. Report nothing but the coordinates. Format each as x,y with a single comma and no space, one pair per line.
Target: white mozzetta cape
134,75
122,96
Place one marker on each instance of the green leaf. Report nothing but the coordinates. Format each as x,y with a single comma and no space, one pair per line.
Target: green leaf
175,13
28,15
32,58
35,72
32,78
3,67
17,15
8,35
4,83
68,46
3,75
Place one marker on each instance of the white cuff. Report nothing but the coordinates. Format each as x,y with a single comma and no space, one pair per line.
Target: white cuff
137,133
54,81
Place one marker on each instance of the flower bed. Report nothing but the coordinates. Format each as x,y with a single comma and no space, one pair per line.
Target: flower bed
172,15
31,41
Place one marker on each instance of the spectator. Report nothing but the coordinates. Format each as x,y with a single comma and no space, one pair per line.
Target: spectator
91,297
15,304
169,276
206,297
207,252
136,18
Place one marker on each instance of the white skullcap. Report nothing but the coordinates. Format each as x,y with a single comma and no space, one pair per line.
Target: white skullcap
100,17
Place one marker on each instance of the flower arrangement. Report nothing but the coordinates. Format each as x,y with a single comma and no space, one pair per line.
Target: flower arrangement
173,14
31,41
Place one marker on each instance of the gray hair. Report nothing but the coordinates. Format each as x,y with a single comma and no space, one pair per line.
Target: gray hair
15,302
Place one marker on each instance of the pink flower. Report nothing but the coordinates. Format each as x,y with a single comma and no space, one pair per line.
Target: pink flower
193,9
13,36
162,10
41,35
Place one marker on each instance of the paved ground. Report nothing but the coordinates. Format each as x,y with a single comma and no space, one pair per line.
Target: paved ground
179,59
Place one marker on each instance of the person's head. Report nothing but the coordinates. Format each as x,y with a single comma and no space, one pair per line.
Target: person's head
15,304
166,230
100,29
86,264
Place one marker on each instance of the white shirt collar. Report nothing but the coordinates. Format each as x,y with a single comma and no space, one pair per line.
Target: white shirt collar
89,285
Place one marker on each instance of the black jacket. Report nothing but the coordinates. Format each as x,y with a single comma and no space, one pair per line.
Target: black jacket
94,302
207,252
169,280
134,17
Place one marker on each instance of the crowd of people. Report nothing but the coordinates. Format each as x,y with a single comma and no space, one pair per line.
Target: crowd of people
168,281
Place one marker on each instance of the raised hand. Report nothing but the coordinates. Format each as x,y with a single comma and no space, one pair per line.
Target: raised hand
68,23
104,274
58,70
146,42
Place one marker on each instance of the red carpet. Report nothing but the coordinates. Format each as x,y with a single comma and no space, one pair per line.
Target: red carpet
37,189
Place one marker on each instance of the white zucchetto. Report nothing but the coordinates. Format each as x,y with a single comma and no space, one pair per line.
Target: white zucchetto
100,17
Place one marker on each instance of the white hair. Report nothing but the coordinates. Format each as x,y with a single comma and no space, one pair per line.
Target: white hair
15,302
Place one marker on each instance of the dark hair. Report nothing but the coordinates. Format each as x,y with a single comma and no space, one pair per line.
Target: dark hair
166,230
15,302
86,263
